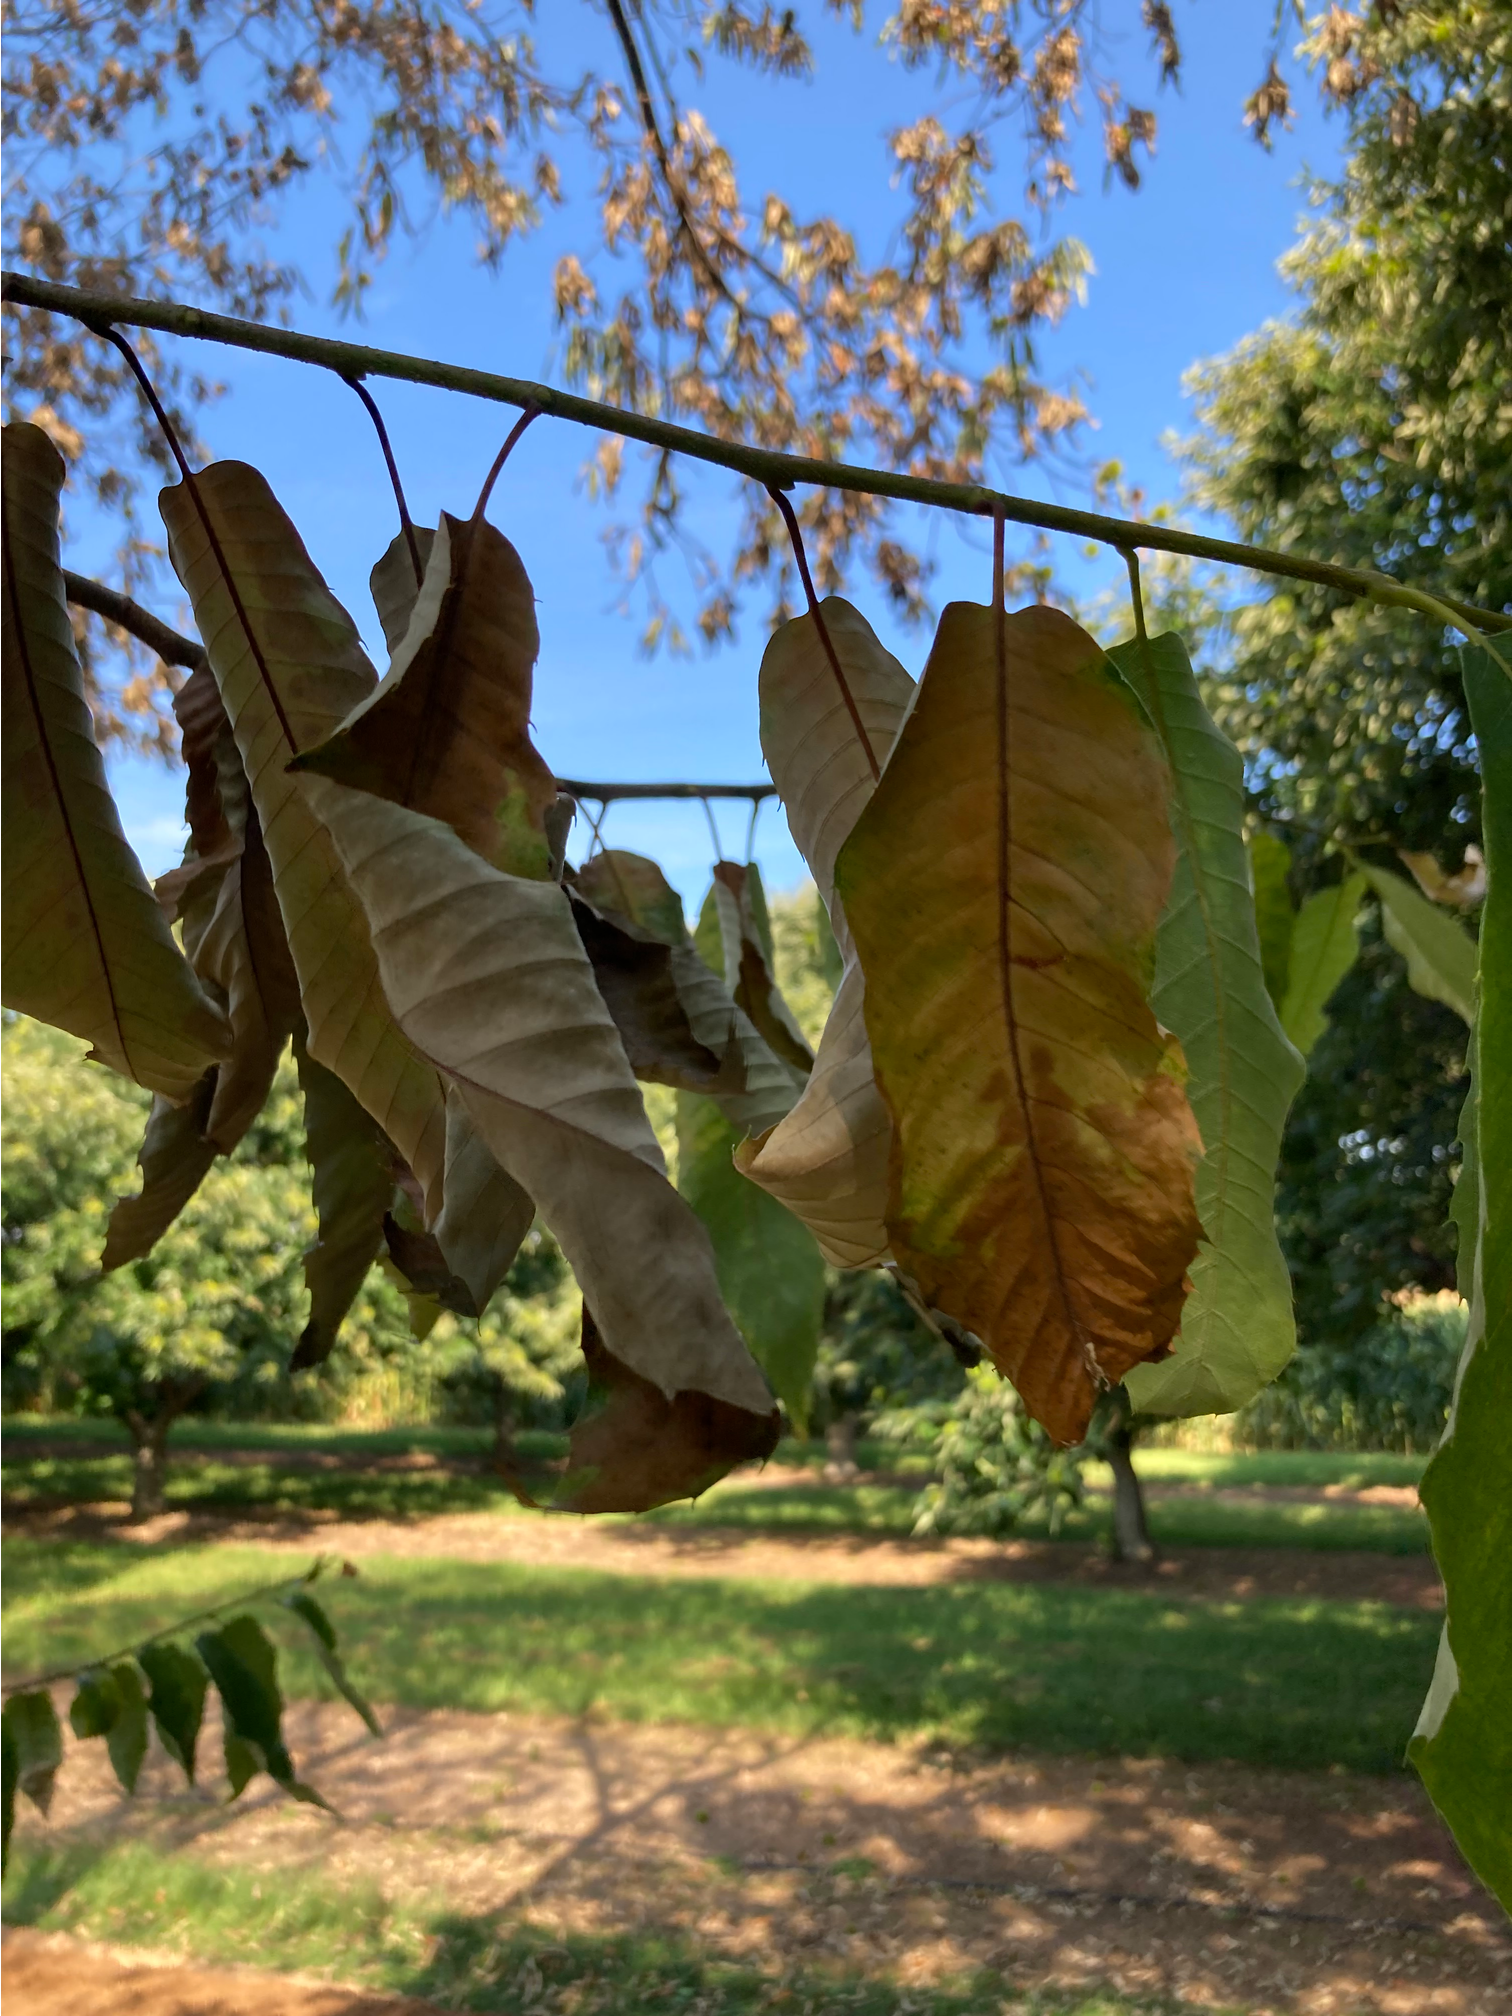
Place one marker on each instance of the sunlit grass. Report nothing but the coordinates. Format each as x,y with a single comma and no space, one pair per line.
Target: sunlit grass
972,1665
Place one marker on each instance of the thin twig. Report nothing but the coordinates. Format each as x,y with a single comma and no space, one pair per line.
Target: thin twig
130,616
35,1680
795,534
530,413
766,466
392,466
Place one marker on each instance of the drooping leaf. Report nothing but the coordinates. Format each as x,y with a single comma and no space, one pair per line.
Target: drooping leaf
177,1701
488,978
1462,1746
323,1632
1439,951
394,584
734,938
771,1273
96,1703
243,1662
176,1154
1270,869
1324,945
1003,887
286,687
126,1738
753,1088
448,730
633,1448
352,1184
634,975
32,1723
828,1160
485,1215
1211,989
85,946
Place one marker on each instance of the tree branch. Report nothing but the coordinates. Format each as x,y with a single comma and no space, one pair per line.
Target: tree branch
131,616
606,794
766,466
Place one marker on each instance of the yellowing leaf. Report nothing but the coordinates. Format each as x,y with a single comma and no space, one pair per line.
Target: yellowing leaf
85,946
1324,945
285,687
489,979
827,1161
1003,888
1237,1328
448,730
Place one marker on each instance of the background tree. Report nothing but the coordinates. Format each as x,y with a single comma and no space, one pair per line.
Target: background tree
150,148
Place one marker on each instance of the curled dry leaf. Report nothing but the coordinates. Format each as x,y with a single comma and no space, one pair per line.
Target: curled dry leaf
751,1086
1003,888
633,1447
488,977
285,686
735,921
394,584
634,975
828,1159
1237,1328
447,732
86,947
484,1214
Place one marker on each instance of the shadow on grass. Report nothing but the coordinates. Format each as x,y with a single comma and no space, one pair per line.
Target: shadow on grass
976,1666
484,1961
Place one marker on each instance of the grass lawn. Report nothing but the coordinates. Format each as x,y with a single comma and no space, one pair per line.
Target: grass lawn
975,1666
131,1894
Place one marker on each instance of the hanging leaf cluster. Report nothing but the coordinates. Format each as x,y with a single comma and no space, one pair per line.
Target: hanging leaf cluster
166,1685
1072,1008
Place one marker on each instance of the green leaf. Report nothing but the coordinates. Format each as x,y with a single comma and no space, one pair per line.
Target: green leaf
243,1663
304,1606
1462,1746
126,1738
32,1723
1439,951
96,1705
1324,945
1237,1328
1270,866
177,1701
771,1273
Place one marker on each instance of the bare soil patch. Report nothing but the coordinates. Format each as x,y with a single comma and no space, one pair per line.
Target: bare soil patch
870,1560
1317,1894
49,1974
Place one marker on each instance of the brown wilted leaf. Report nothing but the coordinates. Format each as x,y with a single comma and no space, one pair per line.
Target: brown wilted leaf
175,1158
447,732
828,1160
86,947
352,1182
735,922
632,1448
752,1088
634,976
489,979
1003,887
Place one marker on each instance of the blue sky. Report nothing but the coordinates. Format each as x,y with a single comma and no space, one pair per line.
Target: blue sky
1183,269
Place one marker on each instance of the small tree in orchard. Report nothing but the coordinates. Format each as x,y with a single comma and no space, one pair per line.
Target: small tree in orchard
518,1356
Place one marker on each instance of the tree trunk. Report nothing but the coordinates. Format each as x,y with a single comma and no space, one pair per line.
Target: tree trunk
504,1423
1131,1532
840,1450
149,1475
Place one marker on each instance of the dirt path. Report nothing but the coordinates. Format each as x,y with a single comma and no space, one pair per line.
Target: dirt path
870,1560
1310,1894
49,1974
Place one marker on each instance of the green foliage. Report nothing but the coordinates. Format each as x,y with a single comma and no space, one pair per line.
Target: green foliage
1368,1159
1463,1742
993,1465
1237,1329
771,1275
514,1363
1439,951
1373,427
1324,946
877,1358
1388,1389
